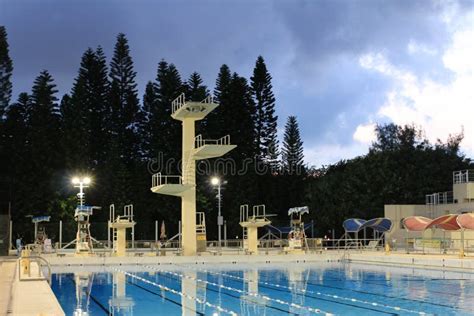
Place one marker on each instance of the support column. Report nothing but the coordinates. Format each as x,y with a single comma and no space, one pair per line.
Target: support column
121,242
60,234
252,239
188,200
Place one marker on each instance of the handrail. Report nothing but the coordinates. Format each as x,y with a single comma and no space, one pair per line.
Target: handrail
439,198
208,99
178,102
38,260
463,176
199,141
159,179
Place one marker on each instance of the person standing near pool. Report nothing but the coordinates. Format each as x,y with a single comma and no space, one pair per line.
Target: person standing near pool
19,245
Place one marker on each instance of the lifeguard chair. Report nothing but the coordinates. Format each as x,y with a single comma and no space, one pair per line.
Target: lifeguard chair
119,226
40,232
250,224
297,237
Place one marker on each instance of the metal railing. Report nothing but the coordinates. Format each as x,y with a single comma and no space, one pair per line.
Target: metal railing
178,102
38,260
439,198
258,212
199,141
463,176
159,179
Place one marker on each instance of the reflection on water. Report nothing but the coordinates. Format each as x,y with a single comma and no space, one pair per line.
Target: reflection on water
263,290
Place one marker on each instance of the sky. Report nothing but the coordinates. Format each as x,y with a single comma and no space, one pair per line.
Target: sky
340,66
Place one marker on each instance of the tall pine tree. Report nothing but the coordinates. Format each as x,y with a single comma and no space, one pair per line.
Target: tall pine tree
45,154
265,118
292,153
6,69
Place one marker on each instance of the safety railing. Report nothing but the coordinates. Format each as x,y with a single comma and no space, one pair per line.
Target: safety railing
159,179
178,102
209,99
40,261
199,141
439,198
463,176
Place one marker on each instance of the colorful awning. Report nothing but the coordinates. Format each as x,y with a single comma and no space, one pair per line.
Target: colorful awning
352,225
380,224
445,222
416,223
466,221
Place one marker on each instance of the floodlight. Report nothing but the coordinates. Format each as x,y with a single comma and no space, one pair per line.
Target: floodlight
86,180
215,181
75,180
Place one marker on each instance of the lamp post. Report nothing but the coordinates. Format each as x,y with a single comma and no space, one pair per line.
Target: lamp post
215,181
81,183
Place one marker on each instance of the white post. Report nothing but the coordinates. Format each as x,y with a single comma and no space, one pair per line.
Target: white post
36,230
133,237
219,216
11,235
156,232
225,233
60,234
179,236
108,233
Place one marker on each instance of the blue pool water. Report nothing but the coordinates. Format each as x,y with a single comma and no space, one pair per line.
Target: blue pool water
296,289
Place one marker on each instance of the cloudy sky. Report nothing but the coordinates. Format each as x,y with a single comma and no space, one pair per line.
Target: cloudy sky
339,66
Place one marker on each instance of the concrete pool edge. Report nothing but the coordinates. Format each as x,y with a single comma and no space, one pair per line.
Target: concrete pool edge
31,297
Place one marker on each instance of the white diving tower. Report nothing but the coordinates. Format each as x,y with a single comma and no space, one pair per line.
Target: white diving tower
250,224
193,148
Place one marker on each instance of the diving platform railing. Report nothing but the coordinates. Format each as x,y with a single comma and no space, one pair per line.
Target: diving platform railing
197,110
463,176
199,141
159,179
439,198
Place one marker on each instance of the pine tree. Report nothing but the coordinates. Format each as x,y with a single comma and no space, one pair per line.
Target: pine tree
15,152
292,154
124,99
168,86
195,90
265,118
6,69
44,130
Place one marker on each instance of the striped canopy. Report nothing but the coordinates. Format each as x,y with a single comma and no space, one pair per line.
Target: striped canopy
300,210
352,225
445,222
39,219
380,224
466,221
416,223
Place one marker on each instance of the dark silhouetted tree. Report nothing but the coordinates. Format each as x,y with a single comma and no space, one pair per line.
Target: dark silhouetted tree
6,69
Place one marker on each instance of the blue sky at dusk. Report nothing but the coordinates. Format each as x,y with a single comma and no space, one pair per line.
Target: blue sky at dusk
340,66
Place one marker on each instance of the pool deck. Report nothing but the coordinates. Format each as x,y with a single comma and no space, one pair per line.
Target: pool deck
29,297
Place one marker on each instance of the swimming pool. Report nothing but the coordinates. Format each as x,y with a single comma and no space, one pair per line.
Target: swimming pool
276,289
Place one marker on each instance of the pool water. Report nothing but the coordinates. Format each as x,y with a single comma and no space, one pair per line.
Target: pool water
296,289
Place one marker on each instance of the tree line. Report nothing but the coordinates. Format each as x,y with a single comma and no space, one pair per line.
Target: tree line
103,128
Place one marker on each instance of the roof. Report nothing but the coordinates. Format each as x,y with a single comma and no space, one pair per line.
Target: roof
352,225
381,224
445,222
42,218
300,209
416,223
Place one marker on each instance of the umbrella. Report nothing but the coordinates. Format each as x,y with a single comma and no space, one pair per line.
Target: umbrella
163,231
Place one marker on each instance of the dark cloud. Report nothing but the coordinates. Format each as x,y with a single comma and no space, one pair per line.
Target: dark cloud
311,47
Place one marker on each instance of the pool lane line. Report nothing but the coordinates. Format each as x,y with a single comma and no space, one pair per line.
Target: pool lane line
92,298
387,285
234,296
165,298
338,278
256,295
303,292
198,300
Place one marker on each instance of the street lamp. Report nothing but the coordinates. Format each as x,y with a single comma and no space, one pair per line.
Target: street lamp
81,183
215,181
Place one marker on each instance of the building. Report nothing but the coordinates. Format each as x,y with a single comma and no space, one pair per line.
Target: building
459,200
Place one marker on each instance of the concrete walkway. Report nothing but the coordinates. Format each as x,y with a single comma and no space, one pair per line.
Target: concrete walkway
25,298
7,275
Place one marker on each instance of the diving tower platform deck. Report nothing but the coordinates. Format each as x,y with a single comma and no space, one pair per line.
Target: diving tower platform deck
183,109
169,185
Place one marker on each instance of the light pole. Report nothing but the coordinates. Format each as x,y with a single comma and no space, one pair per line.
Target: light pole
81,183
215,181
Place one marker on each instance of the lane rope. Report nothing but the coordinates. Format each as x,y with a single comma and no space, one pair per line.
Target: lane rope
165,288
303,292
256,295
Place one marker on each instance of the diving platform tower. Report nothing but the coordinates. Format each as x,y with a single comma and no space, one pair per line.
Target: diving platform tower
119,226
193,148
250,224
